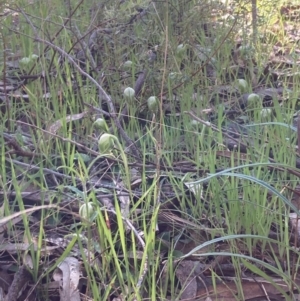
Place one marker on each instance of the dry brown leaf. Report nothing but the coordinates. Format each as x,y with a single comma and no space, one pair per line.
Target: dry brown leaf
185,272
16,289
5,281
68,273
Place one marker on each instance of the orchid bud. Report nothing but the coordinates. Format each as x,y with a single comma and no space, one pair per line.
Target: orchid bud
254,101
181,50
242,85
127,65
101,124
86,210
129,92
152,104
173,76
106,143
265,113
